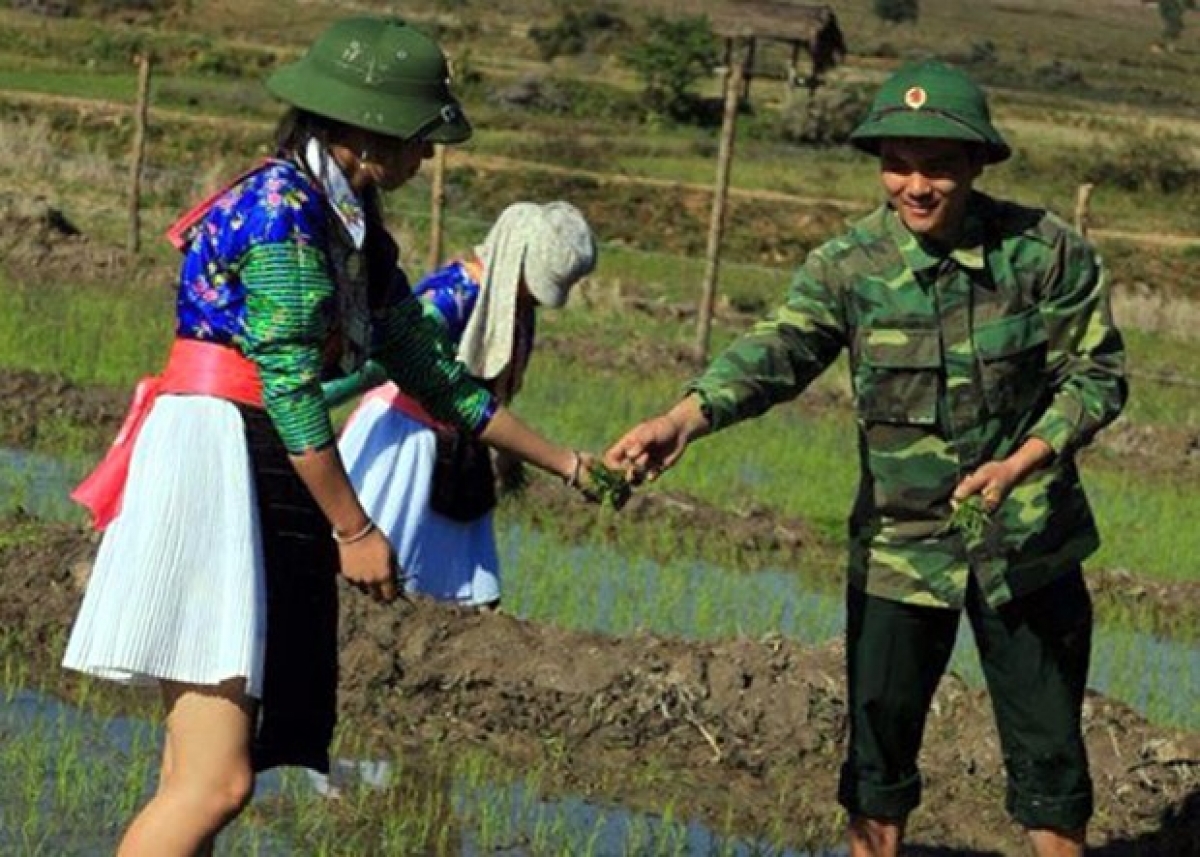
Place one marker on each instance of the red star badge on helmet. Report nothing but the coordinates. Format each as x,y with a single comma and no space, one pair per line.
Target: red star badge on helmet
915,97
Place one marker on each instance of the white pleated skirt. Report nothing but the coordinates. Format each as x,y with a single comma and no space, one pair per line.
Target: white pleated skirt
389,457
178,588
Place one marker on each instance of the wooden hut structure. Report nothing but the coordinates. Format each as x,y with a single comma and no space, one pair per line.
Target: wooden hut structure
811,30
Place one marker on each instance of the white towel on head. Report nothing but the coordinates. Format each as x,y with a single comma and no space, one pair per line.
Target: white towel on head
552,246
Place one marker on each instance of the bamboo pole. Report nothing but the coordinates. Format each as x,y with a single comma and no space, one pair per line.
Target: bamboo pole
748,68
1083,208
437,203
141,111
734,73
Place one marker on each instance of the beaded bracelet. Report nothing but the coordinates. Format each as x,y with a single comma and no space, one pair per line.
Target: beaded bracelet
572,481
357,537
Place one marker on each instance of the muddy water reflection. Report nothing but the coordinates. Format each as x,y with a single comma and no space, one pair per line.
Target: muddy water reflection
39,484
605,591
72,779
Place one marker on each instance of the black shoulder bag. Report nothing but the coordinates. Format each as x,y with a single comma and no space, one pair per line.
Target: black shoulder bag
464,485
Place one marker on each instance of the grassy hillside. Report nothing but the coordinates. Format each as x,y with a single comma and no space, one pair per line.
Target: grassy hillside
1084,90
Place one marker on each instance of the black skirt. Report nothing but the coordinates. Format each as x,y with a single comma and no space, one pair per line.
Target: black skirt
298,709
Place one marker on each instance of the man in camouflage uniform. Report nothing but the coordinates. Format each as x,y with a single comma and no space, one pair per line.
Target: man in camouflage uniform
983,355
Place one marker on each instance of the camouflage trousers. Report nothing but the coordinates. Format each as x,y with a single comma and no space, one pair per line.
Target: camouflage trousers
1034,651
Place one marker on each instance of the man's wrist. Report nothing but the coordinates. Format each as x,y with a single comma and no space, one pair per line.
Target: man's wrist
692,416
1031,455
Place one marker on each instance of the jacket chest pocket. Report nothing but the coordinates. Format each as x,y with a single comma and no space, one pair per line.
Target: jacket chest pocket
897,376
1011,356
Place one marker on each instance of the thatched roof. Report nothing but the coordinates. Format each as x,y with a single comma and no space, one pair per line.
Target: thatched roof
775,19
813,29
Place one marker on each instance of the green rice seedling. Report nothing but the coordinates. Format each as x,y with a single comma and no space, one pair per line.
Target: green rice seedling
609,487
970,518
589,846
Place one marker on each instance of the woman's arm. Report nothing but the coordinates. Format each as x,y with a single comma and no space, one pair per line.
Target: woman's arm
422,360
286,288
506,432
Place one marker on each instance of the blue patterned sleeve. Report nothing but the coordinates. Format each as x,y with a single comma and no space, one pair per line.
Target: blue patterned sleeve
289,304
452,294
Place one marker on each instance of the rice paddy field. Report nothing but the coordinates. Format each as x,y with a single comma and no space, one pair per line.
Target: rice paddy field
592,718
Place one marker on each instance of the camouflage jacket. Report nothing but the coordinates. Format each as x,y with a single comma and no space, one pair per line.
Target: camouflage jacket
955,360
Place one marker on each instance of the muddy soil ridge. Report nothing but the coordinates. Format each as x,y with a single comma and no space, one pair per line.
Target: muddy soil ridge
737,733
754,538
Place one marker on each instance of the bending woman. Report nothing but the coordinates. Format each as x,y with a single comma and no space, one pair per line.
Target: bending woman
402,461
228,512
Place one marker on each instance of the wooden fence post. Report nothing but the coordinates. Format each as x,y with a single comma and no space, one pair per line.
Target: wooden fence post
437,204
734,73
1083,208
140,113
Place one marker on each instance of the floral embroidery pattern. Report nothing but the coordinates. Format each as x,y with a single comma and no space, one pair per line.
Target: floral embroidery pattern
274,205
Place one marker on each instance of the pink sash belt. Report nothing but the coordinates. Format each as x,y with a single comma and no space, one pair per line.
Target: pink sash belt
193,367
394,397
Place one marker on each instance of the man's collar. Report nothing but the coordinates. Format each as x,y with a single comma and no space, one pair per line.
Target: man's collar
921,255
345,202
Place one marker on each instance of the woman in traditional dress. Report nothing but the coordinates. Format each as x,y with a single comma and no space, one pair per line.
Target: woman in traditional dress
227,509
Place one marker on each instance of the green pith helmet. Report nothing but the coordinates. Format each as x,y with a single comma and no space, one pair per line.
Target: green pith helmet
379,74
932,100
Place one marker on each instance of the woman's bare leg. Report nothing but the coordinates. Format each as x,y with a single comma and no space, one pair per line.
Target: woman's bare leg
206,774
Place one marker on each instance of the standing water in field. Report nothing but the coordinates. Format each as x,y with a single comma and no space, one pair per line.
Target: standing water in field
715,677
72,779
599,590
38,484
604,591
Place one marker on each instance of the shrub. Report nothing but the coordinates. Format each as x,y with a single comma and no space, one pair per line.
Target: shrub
670,58
577,32
982,53
1171,13
827,117
566,97
897,11
1059,75
1155,162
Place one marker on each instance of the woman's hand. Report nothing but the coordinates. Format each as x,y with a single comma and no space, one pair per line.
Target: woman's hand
369,563
364,554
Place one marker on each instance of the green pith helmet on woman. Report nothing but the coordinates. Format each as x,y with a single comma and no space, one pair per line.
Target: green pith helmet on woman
379,74
932,100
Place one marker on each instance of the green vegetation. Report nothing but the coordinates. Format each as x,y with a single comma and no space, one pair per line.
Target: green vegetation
1077,89
1171,12
577,31
672,56
970,518
897,11
96,336
74,777
610,487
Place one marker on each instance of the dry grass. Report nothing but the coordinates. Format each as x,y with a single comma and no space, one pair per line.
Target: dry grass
90,184
1177,318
